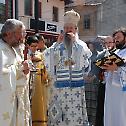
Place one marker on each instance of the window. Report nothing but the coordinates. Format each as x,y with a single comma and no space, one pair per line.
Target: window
38,9
41,24
87,21
28,7
10,10
55,14
5,10
2,13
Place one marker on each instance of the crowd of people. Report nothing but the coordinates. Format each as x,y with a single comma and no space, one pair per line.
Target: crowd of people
85,87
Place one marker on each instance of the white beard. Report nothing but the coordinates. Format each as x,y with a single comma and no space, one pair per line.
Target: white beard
68,44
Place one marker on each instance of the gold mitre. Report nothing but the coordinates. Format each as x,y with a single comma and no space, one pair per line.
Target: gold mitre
71,17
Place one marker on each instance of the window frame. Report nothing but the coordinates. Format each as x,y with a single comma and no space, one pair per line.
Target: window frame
87,22
55,14
28,9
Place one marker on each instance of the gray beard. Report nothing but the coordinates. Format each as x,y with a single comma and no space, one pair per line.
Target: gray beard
68,45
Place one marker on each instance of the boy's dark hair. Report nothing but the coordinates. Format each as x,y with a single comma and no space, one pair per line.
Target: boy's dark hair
39,37
31,39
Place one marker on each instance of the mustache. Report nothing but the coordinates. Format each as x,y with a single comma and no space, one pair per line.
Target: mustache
68,44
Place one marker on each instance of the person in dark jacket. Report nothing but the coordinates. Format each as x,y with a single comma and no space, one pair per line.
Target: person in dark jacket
109,49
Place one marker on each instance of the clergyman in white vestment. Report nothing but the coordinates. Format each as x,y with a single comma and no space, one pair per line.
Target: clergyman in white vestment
115,76
67,62
12,32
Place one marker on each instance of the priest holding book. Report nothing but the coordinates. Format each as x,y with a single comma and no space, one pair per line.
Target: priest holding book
115,78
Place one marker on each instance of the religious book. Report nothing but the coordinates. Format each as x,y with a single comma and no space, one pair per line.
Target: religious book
109,60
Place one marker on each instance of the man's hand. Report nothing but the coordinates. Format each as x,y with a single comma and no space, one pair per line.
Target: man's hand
35,59
25,67
60,38
108,67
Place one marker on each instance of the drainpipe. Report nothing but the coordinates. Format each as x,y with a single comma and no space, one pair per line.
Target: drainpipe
16,9
12,8
36,15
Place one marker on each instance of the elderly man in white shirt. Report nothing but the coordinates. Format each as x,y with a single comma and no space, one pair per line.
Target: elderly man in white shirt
12,75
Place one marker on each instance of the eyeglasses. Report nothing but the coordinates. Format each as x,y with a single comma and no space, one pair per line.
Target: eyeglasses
23,33
108,42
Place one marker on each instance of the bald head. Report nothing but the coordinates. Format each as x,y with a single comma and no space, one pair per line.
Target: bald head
109,42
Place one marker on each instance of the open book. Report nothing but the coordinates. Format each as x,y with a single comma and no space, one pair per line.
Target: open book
109,60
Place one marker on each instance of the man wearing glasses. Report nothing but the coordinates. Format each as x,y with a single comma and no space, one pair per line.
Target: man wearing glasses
13,76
